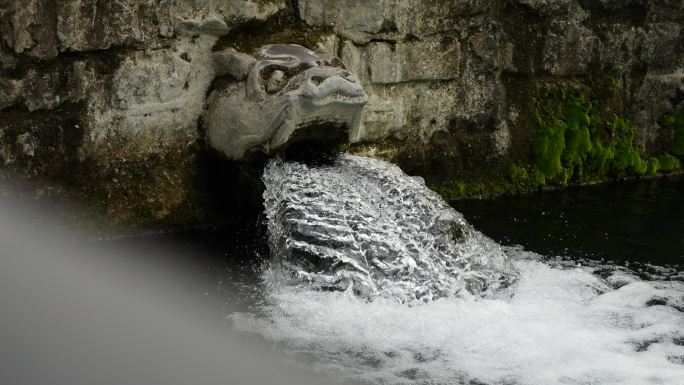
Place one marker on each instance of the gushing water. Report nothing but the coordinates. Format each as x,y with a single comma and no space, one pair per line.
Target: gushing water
363,225
492,315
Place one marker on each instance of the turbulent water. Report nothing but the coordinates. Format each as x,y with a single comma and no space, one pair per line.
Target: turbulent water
363,225
559,323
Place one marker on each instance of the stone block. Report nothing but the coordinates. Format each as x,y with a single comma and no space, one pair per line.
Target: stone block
569,49
417,60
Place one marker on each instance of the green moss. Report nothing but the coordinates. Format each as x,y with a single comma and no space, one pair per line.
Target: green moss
548,147
578,141
677,123
668,120
525,178
573,143
678,145
519,174
601,154
653,166
627,159
579,138
450,190
600,158
609,81
521,178
668,163
458,189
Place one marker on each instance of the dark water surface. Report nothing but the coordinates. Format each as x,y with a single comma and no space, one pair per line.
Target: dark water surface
631,221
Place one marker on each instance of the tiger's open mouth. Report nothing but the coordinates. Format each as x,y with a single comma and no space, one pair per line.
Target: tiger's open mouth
316,142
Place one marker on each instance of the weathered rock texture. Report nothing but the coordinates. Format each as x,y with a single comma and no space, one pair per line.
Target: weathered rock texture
285,98
104,98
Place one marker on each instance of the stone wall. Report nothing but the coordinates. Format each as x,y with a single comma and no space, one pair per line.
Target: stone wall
102,99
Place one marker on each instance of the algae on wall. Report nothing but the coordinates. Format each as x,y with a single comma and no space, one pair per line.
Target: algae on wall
588,148
676,122
575,142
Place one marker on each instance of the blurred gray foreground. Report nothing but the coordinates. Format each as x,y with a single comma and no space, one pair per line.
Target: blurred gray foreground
75,314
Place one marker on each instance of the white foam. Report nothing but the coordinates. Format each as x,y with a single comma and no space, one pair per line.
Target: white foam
562,326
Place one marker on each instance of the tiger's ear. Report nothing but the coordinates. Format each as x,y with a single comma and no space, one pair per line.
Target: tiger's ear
233,63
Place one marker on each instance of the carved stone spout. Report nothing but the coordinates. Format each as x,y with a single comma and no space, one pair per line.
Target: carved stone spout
282,95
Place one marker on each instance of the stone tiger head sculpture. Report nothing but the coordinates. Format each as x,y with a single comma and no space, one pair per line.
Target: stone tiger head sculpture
282,95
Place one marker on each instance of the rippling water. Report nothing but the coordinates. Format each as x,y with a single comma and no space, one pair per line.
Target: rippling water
562,322
363,225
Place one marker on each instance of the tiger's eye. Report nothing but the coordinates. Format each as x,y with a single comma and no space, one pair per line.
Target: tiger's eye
276,82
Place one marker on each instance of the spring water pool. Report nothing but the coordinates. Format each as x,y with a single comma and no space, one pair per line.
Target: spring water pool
599,300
